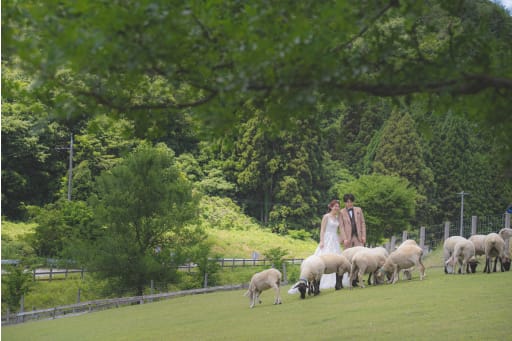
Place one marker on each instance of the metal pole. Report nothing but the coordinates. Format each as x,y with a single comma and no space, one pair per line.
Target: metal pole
462,194
70,174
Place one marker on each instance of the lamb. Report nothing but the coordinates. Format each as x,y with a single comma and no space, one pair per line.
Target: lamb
336,263
366,261
261,281
463,251
311,271
404,257
448,247
495,247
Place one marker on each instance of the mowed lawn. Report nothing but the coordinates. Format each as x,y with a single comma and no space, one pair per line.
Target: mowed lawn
442,307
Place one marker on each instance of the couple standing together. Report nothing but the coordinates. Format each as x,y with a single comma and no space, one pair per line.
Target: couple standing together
349,221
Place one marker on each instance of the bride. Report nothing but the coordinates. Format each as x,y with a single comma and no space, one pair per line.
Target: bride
329,240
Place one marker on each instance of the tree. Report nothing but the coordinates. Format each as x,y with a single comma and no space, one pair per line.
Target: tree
388,204
32,163
162,57
15,284
142,204
400,153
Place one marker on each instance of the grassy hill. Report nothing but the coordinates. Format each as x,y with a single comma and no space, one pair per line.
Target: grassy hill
441,307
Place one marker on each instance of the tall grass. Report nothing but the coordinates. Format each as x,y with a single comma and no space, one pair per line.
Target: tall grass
441,307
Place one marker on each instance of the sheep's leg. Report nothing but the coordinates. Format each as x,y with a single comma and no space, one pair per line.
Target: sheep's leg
339,284
316,286
253,300
395,274
277,299
422,269
360,278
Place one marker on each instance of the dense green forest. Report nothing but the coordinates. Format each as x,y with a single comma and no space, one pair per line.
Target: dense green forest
154,106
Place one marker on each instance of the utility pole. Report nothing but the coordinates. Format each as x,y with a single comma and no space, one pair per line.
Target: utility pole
462,194
70,173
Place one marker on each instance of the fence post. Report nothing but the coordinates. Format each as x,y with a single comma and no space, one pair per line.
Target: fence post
22,307
285,281
205,279
404,236
446,230
51,271
474,224
392,244
422,237
507,220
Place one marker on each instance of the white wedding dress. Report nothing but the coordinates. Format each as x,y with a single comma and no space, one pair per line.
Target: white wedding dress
331,245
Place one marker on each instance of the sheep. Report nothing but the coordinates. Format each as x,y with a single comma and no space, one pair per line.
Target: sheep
448,247
463,251
408,272
366,261
495,247
478,241
311,271
506,233
336,263
261,281
404,257
408,242
350,252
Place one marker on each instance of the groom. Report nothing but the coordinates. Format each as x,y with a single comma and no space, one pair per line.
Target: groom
353,227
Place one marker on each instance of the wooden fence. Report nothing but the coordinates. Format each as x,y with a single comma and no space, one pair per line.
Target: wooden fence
49,274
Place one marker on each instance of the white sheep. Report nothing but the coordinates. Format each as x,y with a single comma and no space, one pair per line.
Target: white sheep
311,270
478,241
366,261
404,257
506,233
350,252
448,247
463,252
338,264
408,272
408,242
495,247
261,281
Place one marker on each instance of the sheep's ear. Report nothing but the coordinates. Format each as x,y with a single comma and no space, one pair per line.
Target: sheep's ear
296,285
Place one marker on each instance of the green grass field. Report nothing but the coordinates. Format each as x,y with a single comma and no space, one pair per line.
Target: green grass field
442,307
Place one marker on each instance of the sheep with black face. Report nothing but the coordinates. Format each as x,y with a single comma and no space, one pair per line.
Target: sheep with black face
311,271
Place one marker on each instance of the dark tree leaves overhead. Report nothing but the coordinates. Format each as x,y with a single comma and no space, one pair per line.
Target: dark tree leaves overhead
212,56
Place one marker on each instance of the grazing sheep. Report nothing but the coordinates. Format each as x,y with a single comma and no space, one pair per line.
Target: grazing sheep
350,252
448,247
262,281
338,264
404,257
495,247
463,251
408,242
478,241
311,271
366,261
407,273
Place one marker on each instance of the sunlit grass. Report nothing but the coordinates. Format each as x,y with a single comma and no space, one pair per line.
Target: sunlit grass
441,307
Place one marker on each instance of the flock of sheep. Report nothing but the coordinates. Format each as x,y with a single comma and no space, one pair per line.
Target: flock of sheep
381,265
